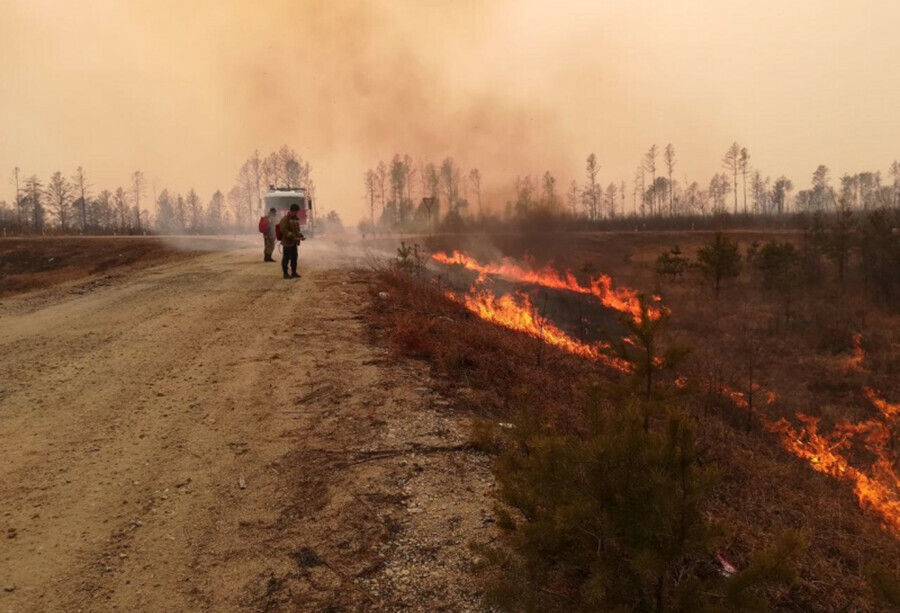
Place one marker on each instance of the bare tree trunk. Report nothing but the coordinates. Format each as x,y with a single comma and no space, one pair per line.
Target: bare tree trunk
744,183
671,192
735,189
18,205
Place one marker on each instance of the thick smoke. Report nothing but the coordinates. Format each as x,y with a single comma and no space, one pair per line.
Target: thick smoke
187,90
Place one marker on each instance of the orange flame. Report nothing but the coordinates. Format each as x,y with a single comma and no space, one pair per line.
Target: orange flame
854,362
888,411
518,314
879,488
622,299
740,399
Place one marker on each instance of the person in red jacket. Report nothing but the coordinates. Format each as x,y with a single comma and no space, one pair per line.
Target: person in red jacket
269,236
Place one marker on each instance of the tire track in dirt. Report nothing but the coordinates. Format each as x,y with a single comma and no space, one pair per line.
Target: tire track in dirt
204,435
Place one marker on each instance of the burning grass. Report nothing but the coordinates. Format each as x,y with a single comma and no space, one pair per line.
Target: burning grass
762,490
497,369
517,313
622,299
876,488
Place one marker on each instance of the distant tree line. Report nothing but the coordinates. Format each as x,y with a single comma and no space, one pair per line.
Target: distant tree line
70,205
404,195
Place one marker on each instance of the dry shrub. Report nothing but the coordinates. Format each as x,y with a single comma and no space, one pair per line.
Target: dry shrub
412,339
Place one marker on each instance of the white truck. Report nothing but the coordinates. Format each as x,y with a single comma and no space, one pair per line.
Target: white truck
281,199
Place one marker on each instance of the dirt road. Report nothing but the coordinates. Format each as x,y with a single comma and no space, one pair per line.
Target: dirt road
206,436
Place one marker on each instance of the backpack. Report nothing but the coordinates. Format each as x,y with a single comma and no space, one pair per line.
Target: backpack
278,231
264,225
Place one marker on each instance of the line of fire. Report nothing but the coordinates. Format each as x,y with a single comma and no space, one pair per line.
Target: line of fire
579,317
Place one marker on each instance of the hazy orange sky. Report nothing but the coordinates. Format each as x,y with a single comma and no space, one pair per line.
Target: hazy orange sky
187,90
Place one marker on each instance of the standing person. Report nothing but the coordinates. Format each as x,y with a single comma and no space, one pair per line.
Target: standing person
269,235
290,239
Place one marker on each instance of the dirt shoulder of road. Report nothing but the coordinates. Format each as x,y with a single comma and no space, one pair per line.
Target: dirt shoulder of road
30,263
204,435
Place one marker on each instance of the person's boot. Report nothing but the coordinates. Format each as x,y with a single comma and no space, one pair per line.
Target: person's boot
286,275
294,275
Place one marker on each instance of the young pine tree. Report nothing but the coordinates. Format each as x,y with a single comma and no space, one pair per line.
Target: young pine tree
719,261
614,520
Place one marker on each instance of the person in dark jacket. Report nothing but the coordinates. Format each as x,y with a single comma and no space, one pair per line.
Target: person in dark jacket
290,240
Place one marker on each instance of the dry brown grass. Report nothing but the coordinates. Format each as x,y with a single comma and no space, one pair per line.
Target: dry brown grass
763,489
33,263
496,370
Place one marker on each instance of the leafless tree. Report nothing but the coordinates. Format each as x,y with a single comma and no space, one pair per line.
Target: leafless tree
293,170
525,189
732,162
475,180
59,192
18,200
650,166
138,184
215,212
744,161
821,197
181,212
165,214
104,214
195,210
34,188
780,190
450,179
549,191
381,174
895,174
572,197
236,202
82,188
371,187
398,178
759,190
610,200
432,181
271,168
290,166
306,179
120,202
247,186
669,156
255,169
592,189
718,188
638,189
695,199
